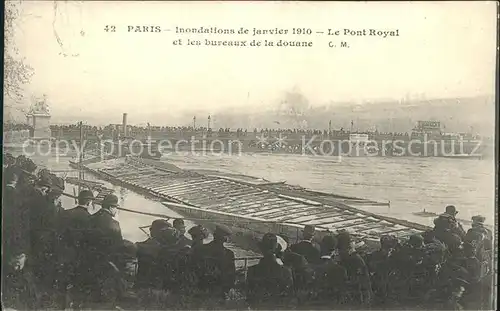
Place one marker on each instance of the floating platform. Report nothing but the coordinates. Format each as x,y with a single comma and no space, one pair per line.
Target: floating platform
253,209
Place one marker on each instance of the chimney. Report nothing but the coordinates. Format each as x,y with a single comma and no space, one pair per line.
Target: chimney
124,124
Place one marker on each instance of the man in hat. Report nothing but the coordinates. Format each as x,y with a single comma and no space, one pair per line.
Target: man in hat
302,273
358,289
174,259
105,245
73,232
37,206
79,216
409,268
105,232
380,264
198,235
181,227
307,247
214,264
481,238
269,283
449,218
330,277
45,233
148,275
478,226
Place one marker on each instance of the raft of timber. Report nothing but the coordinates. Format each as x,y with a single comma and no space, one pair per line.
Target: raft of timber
258,207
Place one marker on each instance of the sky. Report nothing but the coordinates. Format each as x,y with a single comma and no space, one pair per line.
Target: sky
444,49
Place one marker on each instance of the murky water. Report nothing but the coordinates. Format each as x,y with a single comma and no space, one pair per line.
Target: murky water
410,184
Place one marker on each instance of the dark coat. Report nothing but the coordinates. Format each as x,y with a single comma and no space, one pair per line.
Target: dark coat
268,283
15,227
358,279
309,250
106,240
74,225
215,268
330,280
175,272
302,273
149,269
184,241
44,215
42,221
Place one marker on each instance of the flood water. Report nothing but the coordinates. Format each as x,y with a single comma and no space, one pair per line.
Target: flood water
410,184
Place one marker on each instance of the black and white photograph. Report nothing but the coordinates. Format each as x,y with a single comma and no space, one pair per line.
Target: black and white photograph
250,155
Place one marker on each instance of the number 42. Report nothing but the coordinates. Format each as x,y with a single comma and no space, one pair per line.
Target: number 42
110,28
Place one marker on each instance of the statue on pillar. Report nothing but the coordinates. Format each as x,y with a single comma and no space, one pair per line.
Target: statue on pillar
38,118
40,107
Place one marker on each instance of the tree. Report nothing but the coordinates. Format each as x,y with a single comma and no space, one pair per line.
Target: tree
16,72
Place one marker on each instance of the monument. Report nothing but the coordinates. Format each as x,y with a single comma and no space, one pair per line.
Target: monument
38,118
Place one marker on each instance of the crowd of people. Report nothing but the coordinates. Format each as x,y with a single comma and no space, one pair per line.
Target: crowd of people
134,130
55,257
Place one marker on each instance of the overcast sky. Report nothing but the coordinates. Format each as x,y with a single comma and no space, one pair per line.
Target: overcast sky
444,49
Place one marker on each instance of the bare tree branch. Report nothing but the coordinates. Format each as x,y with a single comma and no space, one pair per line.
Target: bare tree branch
16,72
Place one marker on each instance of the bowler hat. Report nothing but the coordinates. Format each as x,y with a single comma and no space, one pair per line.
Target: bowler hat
478,219
451,209
159,224
86,194
110,200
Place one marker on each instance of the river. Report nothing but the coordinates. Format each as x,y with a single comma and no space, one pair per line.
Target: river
410,184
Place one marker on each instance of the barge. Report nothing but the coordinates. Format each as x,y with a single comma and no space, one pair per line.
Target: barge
252,207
